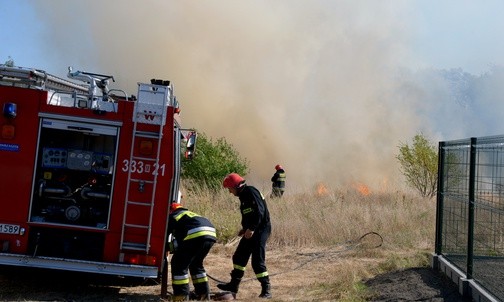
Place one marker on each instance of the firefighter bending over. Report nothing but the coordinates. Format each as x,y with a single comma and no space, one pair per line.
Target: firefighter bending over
256,229
278,181
195,236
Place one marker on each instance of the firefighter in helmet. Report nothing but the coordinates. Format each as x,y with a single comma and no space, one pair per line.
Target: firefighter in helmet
255,231
194,237
278,182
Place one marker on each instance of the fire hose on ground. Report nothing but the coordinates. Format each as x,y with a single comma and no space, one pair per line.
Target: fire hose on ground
370,240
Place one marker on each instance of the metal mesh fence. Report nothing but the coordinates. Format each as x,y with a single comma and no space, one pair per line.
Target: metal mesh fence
470,223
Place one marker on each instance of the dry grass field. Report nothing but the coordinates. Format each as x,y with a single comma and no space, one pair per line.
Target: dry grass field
313,254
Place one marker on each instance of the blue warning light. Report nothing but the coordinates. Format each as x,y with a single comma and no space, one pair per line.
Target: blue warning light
10,110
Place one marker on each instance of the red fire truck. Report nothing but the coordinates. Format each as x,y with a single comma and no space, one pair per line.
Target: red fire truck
87,172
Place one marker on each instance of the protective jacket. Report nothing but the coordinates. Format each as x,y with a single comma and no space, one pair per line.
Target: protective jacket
255,214
278,179
185,225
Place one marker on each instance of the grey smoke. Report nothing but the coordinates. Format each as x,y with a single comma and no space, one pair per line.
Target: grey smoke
328,89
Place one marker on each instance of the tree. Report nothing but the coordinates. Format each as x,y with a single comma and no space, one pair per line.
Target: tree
419,164
213,160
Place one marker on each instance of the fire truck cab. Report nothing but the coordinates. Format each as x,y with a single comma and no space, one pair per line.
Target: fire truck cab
87,172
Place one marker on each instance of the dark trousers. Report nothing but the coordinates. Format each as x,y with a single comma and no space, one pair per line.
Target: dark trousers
189,259
277,192
255,247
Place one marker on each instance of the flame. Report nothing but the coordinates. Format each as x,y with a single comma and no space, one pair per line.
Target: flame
322,189
362,189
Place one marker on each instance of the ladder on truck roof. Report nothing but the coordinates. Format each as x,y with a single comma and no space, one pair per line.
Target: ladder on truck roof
150,108
37,79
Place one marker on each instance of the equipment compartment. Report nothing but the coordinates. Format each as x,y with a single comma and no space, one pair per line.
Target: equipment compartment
74,174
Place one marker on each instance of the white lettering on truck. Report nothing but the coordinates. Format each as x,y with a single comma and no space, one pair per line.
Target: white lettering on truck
140,167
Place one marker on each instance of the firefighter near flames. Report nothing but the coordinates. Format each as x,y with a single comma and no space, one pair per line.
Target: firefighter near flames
255,231
278,182
88,172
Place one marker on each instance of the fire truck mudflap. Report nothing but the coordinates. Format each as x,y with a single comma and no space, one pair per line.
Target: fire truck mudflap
88,173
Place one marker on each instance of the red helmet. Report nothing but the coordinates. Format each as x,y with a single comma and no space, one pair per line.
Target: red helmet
174,206
233,180
278,167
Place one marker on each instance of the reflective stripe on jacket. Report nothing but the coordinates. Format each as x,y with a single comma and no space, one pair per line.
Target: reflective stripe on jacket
278,179
186,225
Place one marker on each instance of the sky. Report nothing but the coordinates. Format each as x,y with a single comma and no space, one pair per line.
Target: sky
326,88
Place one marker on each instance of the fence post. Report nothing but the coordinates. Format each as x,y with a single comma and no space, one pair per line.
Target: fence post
470,224
439,197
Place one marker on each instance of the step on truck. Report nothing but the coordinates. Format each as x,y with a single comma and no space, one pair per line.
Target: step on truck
88,172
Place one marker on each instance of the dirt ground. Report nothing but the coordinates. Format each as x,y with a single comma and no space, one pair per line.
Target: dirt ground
295,276
414,284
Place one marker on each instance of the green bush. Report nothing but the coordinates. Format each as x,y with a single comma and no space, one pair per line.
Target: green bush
419,164
213,160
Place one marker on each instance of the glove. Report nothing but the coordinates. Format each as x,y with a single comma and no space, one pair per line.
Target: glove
248,234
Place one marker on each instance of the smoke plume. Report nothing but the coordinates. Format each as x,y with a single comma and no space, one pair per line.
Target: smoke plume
321,87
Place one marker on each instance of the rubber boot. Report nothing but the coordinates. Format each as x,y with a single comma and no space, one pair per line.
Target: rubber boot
201,292
266,290
232,286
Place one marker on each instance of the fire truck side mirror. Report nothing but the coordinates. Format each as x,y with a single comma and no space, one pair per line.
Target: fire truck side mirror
191,145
